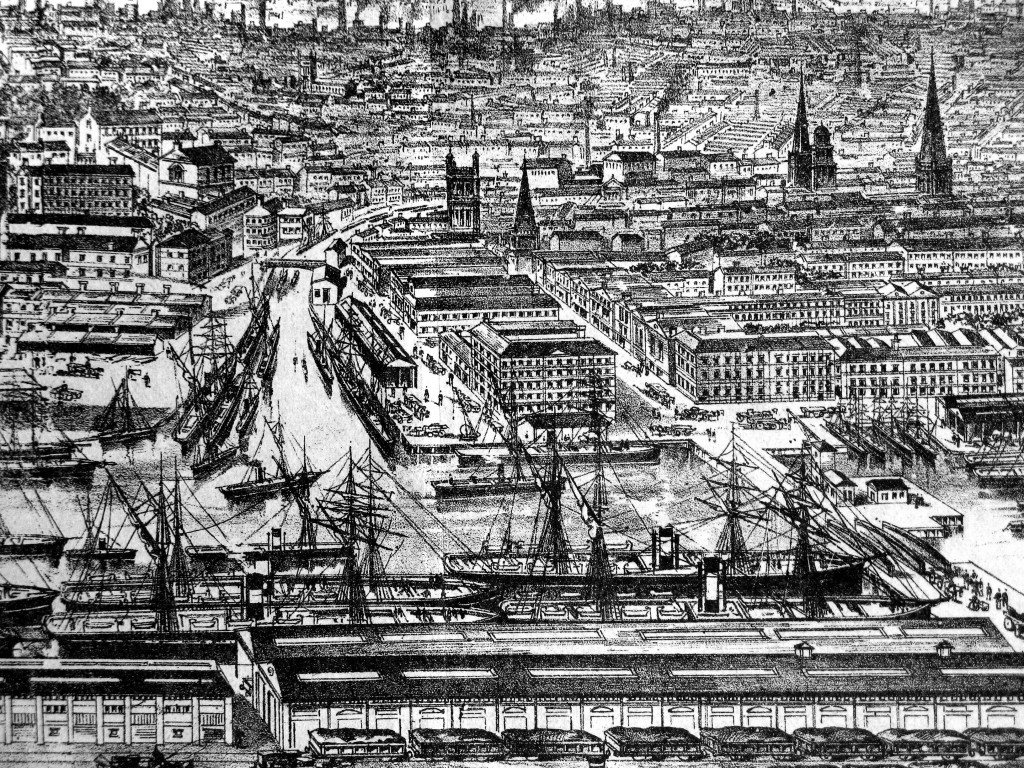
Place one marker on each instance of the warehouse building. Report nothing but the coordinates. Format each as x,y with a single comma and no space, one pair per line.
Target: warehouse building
57,701
951,674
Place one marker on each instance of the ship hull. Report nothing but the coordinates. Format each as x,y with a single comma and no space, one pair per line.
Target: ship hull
211,465
291,592
115,556
845,579
645,454
71,469
266,489
25,606
122,438
462,489
32,545
326,377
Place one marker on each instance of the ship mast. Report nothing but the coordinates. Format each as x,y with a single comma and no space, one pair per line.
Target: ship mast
599,571
358,610
804,567
731,541
553,543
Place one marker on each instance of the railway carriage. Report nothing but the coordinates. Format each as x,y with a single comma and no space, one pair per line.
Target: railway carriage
456,744
657,743
836,743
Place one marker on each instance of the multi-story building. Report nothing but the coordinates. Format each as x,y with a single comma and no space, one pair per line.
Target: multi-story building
197,172
260,229
738,369
899,370
95,129
105,190
99,256
193,255
541,366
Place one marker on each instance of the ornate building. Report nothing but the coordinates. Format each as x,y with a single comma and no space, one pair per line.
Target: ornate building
463,194
934,167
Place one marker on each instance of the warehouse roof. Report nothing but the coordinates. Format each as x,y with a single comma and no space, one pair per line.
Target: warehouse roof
65,677
546,674
882,635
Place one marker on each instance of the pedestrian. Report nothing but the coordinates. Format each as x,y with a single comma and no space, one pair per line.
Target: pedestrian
295,362
145,380
426,395
988,591
440,397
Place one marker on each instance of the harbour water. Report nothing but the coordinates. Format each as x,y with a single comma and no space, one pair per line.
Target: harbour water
324,429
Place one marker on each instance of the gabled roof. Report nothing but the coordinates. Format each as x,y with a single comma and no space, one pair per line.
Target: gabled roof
208,154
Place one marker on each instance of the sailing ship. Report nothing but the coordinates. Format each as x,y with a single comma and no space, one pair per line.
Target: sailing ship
35,459
173,612
99,546
551,580
120,421
257,485
500,483
213,457
318,351
339,344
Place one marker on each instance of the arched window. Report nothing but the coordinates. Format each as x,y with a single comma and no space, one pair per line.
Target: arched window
176,173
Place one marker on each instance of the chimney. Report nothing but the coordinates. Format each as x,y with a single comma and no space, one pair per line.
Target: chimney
944,649
803,650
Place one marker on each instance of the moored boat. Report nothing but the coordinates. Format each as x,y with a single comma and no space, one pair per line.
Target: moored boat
24,606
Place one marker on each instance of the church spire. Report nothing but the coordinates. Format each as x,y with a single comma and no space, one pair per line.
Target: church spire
801,156
801,131
934,167
524,229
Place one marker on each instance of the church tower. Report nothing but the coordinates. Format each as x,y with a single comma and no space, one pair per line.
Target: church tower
525,232
934,167
462,187
801,156
823,167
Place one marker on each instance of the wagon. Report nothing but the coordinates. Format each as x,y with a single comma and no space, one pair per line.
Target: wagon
553,744
65,394
838,743
281,758
456,744
915,745
747,742
996,742
657,743
330,746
